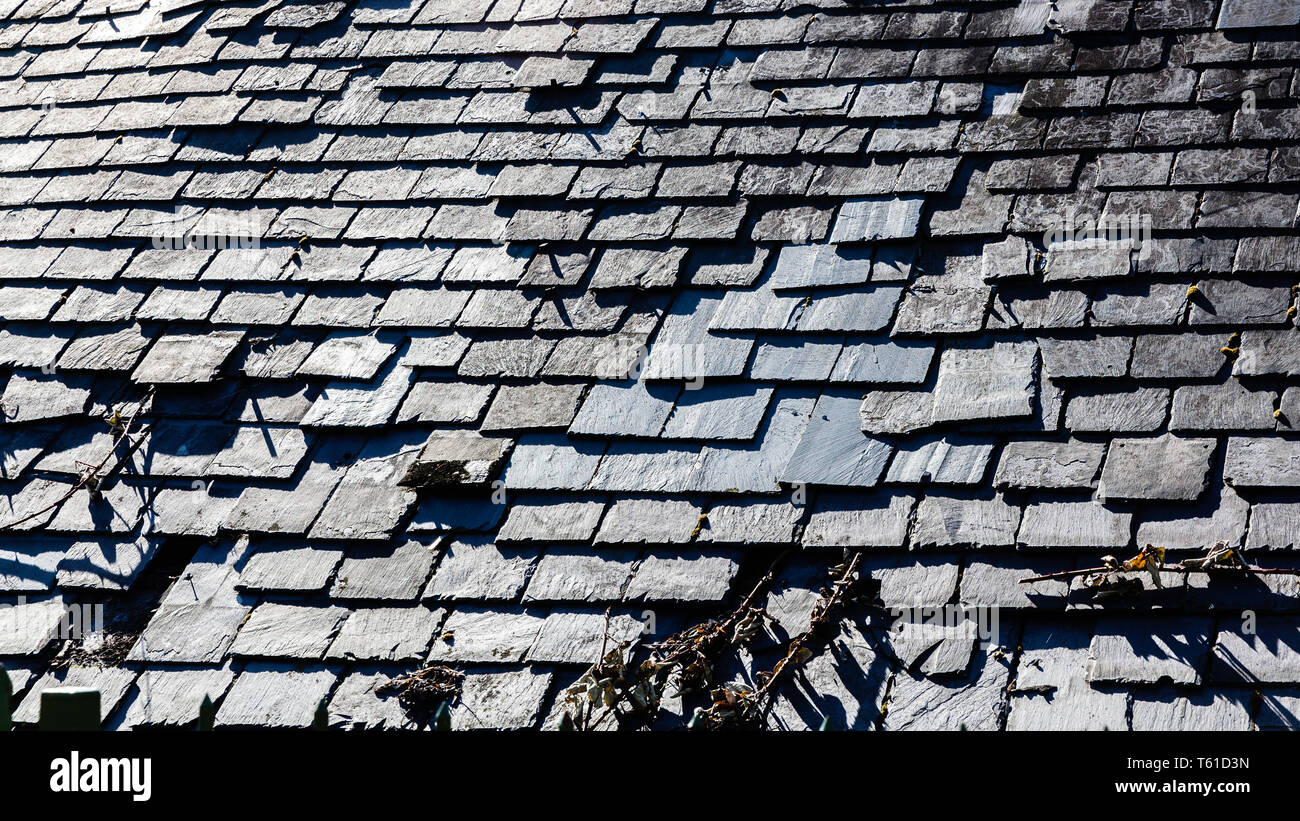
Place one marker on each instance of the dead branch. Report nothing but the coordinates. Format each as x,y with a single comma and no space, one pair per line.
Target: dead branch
92,476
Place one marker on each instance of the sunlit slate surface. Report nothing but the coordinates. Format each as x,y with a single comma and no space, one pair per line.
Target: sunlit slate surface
457,323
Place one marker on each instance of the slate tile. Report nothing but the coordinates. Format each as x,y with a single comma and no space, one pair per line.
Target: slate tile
112,684
1226,406
278,568
1260,462
1213,520
952,460
1139,468
844,521
1074,524
1051,690
349,405
171,697
985,383
833,450
187,358
539,521
682,576
1166,356
474,568
1265,352
1049,465
510,700
755,523
794,360
872,219
481,635
31,398
27,626
579,575
385,634
267,695
648,521
953,522
278,630
717,413
389,573
1124,653
574,637
1135,410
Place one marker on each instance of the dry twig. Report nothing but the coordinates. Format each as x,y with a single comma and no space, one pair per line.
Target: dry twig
90,476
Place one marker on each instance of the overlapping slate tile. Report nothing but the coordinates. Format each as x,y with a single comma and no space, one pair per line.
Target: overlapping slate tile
521,235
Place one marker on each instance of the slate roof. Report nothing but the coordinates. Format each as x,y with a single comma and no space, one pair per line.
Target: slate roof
565,305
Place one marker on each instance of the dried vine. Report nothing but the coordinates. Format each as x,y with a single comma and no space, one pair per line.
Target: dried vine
1111,575
94,477
631,691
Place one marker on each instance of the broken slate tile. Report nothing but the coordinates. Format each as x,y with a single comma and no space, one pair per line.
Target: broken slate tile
951,460
833,449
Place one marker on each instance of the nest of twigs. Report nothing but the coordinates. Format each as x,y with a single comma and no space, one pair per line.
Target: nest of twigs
421,693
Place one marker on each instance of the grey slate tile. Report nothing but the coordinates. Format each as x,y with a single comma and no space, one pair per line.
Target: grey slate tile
682,576
280,568
1261,462
627,409
386,634
833,450
575,637
838,520
985,383
388,573
581,575
953,522
473,568
1074,524
1125,653
268,695
1133,410
168,697
111,682
1049,465
288,631
952,460
497,635
1140,468
540,521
